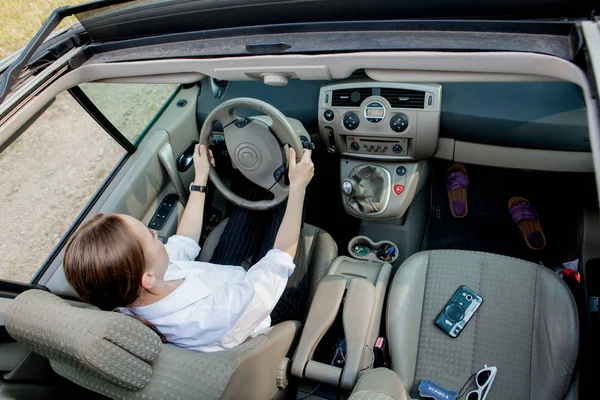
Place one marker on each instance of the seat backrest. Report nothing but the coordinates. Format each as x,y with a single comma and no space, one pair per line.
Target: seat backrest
319,251
117,356
108,345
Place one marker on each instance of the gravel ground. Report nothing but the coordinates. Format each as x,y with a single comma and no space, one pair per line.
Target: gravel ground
50,173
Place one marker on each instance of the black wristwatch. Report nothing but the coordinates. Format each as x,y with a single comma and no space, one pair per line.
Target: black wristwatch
196,188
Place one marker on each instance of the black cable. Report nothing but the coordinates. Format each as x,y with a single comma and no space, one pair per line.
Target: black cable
310,393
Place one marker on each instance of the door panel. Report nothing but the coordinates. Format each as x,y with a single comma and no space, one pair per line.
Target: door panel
143,182
136,191
181,125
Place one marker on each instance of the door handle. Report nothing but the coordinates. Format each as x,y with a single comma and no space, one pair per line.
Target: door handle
165,157
185,159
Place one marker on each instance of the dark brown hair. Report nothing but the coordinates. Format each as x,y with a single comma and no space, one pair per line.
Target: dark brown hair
104,262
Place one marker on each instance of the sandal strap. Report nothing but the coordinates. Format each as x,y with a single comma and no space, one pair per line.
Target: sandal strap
523,210
456,180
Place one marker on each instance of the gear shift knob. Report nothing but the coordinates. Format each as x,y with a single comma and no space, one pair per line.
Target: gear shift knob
350,187
347,187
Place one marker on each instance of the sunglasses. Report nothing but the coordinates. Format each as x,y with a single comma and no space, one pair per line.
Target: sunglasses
484,379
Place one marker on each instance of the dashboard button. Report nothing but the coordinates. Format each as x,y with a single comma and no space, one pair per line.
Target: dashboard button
399,123
401,171
397,148
351,121
398,189
355,146
328,115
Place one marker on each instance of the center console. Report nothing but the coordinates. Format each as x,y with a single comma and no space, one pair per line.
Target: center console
385,133
353,290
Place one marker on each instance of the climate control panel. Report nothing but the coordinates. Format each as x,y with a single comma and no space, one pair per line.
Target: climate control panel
366,119
376,146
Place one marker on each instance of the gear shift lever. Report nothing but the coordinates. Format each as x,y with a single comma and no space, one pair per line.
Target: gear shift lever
367,189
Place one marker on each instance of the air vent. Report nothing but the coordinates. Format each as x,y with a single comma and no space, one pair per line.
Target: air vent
350,97
404,98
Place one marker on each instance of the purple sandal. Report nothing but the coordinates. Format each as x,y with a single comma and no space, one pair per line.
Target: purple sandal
457,183
526,217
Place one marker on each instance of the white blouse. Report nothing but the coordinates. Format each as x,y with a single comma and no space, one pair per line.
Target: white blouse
217,306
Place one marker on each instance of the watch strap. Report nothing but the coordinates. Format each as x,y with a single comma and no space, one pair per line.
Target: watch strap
197,188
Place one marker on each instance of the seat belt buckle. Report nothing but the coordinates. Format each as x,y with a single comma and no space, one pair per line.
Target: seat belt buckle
381,353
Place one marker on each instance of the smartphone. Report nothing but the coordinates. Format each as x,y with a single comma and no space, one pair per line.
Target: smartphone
458,311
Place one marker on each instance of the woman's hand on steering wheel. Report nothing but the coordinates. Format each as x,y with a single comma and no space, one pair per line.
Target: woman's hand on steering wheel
301,172
202,158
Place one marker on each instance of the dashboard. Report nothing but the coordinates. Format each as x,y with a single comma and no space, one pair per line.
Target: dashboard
524,115
380,120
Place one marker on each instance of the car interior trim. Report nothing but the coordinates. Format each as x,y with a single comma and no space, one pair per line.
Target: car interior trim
35,84
119,196
391,75
187,77
340,66
165,156
557,38
513,157
591,32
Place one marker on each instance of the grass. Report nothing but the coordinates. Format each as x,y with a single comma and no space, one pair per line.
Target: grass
21,19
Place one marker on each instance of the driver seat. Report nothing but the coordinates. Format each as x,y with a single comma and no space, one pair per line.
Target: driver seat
319,247
118,357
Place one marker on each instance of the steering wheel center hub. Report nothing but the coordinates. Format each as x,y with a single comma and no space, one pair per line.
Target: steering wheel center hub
248,157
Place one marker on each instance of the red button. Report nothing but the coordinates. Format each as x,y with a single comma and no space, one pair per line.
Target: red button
398,189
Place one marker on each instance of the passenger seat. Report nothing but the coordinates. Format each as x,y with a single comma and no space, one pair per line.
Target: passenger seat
527,326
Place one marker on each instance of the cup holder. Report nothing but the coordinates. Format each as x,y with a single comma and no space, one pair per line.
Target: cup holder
363,248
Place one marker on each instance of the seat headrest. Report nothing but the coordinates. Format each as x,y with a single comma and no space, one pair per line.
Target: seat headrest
106,344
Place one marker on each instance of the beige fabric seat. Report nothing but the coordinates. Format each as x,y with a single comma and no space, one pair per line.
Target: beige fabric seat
527,325
379,384
117,356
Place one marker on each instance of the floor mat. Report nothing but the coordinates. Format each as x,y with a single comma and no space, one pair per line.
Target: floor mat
488,227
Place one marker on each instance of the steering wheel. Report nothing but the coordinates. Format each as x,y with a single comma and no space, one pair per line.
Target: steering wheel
259,148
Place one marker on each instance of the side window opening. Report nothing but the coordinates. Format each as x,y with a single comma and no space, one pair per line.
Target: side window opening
131,107
47,176
52,171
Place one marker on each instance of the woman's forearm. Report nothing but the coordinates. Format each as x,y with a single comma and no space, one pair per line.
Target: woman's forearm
191,220
289,231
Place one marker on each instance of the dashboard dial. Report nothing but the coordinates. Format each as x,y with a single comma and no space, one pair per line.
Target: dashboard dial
351,121
399,123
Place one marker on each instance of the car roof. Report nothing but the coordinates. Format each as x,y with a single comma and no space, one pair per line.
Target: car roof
133,19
